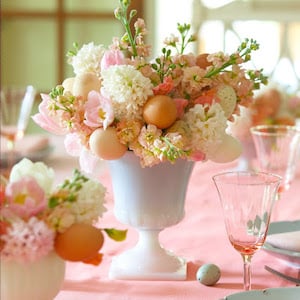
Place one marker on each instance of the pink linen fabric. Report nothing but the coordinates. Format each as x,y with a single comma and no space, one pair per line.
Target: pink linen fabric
200,238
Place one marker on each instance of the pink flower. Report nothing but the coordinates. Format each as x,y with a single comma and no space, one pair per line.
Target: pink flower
74,147
165,87
112,57
207,98
27,241
181,104
25,197
88,161
72,144
198,156
98,110
46,120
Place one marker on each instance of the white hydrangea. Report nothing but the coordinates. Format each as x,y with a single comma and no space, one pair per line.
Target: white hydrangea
90,202
87,59
128,90
207,126
38,170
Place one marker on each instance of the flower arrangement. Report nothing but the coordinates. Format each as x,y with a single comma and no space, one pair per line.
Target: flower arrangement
174,106
270,107
36,219
273,106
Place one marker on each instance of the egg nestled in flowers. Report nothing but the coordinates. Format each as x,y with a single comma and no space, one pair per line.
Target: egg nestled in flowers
79,242
160,111
229,150
105,144
84,83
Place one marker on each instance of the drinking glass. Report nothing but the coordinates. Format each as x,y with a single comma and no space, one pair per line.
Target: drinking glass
16,107
247,199
277,151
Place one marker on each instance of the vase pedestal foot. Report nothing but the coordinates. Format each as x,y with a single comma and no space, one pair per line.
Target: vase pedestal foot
148,261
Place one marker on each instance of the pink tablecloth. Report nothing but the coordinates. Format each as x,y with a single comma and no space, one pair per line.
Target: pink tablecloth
200,238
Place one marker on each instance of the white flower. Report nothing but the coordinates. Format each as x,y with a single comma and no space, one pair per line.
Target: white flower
87,59
39,171
90,202
128,90
207,125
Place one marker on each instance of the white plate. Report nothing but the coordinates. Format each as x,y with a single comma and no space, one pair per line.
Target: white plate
268,294
290,257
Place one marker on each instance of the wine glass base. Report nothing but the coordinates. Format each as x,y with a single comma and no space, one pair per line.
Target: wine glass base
137,264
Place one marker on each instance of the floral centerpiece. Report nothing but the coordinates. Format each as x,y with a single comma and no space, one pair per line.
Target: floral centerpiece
37,219
174,106
271,106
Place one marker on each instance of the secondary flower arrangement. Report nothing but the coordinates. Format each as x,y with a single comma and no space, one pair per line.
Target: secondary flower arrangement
275,107
270,107
36,219
173,106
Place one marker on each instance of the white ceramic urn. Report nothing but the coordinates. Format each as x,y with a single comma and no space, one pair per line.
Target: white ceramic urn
149,199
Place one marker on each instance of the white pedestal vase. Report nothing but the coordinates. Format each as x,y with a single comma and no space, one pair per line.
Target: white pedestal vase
39,280
149,199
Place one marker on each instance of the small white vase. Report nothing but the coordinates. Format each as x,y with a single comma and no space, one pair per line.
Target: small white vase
39,280
149,199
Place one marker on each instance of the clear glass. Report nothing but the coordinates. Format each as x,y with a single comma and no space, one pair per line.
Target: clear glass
247,200
277,151
16,107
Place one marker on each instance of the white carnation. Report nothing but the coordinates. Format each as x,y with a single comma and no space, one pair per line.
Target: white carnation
128,90
38,170
87,59
207,125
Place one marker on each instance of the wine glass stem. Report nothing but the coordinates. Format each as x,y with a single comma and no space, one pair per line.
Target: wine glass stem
247,271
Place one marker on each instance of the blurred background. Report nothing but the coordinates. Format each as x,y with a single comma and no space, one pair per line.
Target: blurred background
36,35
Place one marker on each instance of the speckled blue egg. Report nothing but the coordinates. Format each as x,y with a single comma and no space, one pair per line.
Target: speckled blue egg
208,274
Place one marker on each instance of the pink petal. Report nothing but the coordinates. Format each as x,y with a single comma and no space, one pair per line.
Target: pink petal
44,120
180,105
72,144
112,57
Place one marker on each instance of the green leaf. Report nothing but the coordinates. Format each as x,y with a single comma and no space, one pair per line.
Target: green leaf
115,234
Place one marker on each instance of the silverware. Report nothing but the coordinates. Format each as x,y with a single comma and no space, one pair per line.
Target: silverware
284,276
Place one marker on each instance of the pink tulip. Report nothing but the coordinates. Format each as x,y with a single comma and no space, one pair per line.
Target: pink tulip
46,120
25,197
98,111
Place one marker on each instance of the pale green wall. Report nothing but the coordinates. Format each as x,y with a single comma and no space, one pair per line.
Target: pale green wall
29,47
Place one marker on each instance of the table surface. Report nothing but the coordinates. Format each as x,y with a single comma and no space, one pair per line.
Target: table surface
199,238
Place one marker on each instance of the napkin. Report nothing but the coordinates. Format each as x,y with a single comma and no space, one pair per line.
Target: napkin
28,144
287,240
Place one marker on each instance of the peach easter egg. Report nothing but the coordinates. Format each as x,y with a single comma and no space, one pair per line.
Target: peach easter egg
160,111
84,83
106,145
229,150
68,84
79,242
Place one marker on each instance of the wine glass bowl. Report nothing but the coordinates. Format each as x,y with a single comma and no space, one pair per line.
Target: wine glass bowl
16,107
277,150
247,200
